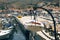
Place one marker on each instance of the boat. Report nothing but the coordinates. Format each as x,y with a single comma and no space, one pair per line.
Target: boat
34,26
5,29
38,27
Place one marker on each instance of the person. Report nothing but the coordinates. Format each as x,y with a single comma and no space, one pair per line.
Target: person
31,13
58,20
35,15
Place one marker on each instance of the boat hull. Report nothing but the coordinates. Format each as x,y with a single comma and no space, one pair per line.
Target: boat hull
6,35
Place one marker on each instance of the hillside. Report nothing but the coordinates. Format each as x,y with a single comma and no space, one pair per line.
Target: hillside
22,3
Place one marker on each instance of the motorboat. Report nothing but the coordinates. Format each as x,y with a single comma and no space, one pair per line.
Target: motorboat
35,26
5,29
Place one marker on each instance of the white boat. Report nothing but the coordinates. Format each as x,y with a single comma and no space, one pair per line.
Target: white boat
5,31
35,26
